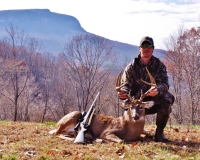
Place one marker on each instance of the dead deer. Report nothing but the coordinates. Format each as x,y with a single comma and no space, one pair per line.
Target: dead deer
126,128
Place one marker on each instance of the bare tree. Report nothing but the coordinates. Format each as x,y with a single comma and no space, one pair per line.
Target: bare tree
63,90
183,61
15,72
192,70
89,61
32,90
174,62
48,70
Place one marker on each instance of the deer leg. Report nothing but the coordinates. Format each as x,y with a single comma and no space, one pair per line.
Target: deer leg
112,138
68,121
89,136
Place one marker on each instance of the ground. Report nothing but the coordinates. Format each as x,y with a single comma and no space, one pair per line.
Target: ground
32,141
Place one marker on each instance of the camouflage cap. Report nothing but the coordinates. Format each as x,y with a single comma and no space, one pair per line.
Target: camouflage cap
148,39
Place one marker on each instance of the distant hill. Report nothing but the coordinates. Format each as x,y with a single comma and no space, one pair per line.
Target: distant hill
52,28
55,29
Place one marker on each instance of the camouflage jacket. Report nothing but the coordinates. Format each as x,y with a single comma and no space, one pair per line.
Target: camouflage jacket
135,71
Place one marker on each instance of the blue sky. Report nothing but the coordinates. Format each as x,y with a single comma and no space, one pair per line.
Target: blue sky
122,20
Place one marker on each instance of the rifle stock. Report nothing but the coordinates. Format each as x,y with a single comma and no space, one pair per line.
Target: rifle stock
80,138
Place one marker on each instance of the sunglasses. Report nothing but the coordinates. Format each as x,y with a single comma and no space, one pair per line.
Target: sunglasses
146,46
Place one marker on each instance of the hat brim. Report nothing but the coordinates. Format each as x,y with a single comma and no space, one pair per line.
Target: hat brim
146,41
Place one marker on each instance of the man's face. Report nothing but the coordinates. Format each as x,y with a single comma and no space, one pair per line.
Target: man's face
146,50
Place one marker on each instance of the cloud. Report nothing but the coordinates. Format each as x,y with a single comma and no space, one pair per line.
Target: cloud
123,20
173,1
159,19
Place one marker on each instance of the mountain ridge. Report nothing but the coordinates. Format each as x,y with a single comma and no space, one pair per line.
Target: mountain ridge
55,29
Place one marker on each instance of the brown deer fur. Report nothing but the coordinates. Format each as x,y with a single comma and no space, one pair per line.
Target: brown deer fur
108,128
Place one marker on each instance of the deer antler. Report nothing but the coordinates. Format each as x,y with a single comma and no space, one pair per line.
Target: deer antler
153,83
118,86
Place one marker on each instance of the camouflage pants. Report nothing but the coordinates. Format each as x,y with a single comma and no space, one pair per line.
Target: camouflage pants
162,104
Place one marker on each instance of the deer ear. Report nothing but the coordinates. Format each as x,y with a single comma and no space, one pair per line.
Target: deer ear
121,103
124,105
148,104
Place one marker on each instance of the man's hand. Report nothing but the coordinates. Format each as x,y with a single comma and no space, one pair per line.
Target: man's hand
152,92
122,94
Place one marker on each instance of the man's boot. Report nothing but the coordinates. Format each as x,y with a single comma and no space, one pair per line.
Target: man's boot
161,121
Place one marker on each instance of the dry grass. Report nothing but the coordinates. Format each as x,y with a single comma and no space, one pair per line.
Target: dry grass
28,141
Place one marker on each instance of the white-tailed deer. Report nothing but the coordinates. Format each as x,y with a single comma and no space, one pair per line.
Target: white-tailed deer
126,128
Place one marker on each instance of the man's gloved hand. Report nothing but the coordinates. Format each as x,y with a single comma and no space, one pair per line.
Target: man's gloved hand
123,94
152,92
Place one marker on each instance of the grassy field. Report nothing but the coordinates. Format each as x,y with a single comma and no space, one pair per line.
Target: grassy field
31,141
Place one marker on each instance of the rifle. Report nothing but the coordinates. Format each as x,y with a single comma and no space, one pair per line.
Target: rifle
79,121
80,138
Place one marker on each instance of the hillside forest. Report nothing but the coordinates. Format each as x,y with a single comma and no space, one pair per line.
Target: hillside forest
38,87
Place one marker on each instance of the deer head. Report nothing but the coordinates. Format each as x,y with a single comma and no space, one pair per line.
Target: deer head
132,105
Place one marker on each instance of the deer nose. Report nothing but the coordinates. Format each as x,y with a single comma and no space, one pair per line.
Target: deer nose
136,117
